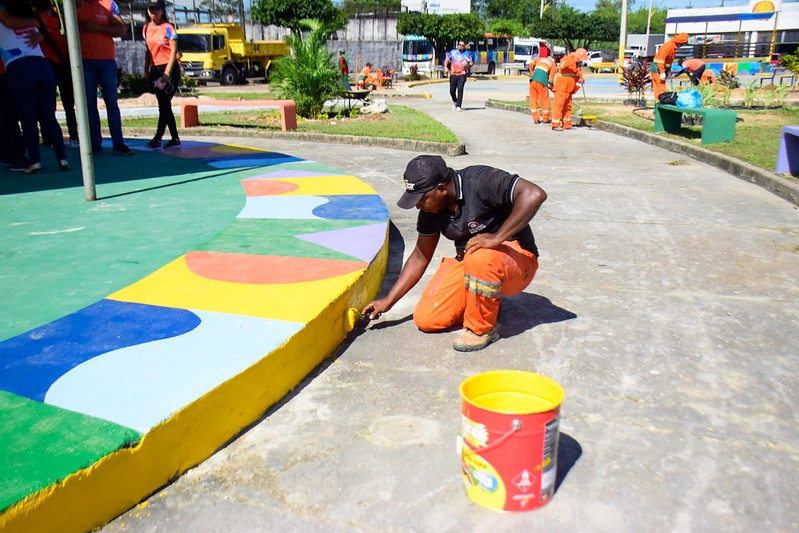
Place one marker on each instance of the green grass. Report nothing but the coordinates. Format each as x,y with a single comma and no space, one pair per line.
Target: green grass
757,133
401,123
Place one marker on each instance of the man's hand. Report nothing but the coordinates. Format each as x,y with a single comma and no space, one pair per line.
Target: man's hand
376,308
32,38
662,76
482,240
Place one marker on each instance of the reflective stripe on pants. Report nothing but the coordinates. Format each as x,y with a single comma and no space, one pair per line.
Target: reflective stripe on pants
468,291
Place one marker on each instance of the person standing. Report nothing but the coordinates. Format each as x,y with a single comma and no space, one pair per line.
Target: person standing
12,148
487,212
31,84
99,22
542,73
457,65
344,68
662,63
54,47
567,82
160,62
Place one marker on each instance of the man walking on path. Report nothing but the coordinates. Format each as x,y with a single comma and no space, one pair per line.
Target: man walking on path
542,72
566,83
487,212
457,65
662,63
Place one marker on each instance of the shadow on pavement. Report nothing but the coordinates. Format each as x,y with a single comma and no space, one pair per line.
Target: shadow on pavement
525,311
569,451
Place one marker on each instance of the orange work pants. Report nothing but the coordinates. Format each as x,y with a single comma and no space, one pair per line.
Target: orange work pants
468,291
562,109
539,101
658,87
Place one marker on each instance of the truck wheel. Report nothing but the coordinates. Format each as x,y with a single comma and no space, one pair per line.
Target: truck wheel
229,76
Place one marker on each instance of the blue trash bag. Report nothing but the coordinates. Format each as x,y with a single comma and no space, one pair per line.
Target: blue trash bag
689,98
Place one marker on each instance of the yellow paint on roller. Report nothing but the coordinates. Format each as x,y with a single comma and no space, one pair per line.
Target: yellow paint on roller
90,498
353,315
174,285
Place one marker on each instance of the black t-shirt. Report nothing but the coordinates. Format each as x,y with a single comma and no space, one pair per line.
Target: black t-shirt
484,204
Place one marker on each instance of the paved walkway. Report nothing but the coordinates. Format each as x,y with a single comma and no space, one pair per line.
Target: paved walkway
666,305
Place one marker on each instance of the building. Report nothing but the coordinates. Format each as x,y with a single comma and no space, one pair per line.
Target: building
761,30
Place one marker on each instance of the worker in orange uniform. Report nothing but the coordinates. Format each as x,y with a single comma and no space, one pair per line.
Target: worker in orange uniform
567,82
662,63
365,79
697,70
542,73
487,212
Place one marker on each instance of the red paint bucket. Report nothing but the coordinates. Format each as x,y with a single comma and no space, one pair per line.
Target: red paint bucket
509,439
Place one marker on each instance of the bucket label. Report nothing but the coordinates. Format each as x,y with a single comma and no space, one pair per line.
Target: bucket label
525,480
474,433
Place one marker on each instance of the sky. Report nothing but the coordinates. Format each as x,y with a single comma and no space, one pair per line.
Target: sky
588,5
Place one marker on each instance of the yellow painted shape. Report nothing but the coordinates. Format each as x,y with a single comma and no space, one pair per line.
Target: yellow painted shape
235,149
326,185
174,285
90,498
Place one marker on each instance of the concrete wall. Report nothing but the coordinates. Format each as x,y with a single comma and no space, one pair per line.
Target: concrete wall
373,39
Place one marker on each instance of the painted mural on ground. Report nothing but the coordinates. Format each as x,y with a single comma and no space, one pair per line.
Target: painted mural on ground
98,380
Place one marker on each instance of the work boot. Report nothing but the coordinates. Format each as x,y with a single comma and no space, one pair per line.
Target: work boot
557,128
471,342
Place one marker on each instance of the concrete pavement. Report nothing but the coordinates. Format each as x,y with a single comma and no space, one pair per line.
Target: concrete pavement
666,305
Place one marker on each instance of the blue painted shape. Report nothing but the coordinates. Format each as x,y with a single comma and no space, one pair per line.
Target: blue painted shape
31,362
251,162
353,207
281,207
141,386
281,174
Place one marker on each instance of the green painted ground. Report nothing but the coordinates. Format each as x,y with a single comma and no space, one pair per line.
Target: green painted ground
42,445
60,253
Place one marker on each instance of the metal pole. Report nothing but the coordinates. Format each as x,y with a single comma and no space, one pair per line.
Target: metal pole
79,88
622,37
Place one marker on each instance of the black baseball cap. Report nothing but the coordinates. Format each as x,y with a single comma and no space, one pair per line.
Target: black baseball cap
160,4
422,174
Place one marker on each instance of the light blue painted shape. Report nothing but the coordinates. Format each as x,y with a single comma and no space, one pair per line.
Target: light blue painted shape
140,386
282,207
362,242
283,174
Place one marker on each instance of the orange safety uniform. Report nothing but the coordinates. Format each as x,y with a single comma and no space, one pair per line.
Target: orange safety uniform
542,73
365,77
469,290
663,60
566,84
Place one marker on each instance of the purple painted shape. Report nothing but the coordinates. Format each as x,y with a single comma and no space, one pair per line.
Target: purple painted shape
294,174
362,242
788,154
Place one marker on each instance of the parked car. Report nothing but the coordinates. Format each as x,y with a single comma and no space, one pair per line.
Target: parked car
593,59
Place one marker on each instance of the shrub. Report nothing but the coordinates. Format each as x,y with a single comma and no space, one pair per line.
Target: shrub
414,75
728,79
635,81
132,85
309,76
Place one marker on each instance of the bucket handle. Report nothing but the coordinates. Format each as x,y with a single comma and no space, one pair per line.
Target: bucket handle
516,425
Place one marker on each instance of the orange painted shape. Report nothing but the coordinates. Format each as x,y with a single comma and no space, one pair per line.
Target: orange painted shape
268,187
267,269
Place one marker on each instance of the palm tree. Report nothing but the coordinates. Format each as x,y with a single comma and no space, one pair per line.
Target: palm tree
309,76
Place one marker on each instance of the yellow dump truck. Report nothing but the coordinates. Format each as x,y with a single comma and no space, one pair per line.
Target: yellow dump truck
218,52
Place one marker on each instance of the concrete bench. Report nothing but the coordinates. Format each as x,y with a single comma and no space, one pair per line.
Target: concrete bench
718,125
512,69
788,154
190,116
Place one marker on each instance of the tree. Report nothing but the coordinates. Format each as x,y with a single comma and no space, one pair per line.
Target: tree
309,76
577,29
441,30
354,7
523,11
290,13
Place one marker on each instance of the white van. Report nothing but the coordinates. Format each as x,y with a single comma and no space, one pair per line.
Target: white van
525,49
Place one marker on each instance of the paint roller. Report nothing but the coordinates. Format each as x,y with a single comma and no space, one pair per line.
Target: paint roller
355,320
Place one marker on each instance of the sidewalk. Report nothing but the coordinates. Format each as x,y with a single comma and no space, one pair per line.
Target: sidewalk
666,305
